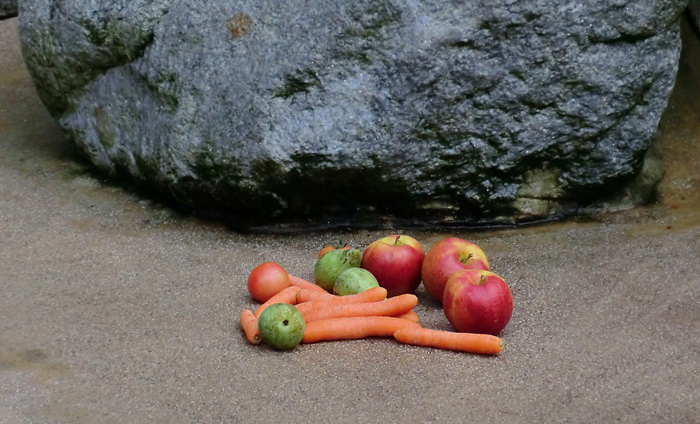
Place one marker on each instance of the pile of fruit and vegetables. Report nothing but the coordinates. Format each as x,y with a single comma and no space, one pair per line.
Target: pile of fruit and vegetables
358,294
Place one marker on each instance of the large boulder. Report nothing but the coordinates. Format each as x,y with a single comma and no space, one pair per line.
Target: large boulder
306,112
8,9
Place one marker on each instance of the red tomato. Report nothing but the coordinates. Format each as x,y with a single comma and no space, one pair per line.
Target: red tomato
266,280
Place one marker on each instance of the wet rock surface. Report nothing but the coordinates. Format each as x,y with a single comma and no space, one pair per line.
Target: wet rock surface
303,114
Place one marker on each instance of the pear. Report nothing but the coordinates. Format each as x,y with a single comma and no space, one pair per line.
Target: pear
331,264
281,326
353,281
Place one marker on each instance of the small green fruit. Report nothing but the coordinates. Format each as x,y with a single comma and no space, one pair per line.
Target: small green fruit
331,264
353,281
281,326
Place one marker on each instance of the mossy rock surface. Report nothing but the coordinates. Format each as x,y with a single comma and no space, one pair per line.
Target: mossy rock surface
294,114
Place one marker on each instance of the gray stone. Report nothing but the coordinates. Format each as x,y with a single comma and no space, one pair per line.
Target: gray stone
293,113
8,9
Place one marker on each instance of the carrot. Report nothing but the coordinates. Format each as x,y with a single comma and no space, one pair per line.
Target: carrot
288,295
249,324
410,315
396,305
375,294
353,328
464,342
304,284
309,295
327,249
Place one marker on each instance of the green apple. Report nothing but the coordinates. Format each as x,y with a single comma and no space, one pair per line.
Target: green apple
331,264
281,326
353,281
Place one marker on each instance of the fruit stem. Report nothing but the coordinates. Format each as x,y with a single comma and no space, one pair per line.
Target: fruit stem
482,279
465,260
396,242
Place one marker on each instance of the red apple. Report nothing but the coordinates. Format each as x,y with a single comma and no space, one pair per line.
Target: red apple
395,261
447,257
477,301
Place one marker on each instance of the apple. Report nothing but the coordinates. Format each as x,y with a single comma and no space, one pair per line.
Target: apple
477,301
281,326
447,257
395,261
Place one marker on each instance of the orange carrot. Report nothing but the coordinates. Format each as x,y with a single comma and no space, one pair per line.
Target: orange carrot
288,295
393,306
410,315
375,294
353,328
309,295
249,324
327,249
464,342
304,284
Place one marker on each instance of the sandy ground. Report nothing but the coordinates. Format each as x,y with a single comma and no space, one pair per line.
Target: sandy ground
114,309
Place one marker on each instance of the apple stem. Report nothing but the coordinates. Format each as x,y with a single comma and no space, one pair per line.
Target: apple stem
396,242
482,279
465,260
